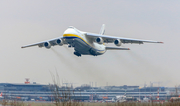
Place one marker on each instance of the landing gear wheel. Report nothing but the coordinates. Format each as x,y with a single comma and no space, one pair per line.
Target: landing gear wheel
69,46
77,54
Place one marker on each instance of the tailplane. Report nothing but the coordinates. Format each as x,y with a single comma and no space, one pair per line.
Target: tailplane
102,31
116,48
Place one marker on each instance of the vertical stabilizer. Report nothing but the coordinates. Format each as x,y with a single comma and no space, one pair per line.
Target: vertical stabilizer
102,31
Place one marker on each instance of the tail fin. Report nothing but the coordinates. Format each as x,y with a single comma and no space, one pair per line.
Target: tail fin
102,31
1,94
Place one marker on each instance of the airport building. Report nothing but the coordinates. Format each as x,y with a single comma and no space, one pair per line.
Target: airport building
34,91
23,87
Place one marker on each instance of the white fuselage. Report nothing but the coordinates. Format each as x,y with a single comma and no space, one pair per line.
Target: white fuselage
83,44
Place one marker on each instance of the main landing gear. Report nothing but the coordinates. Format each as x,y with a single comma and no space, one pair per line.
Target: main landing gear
77,54
69,46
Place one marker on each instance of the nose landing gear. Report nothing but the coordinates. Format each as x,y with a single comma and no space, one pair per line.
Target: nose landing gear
77,54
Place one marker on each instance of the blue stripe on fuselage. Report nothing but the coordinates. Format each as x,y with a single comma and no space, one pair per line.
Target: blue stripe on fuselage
83,41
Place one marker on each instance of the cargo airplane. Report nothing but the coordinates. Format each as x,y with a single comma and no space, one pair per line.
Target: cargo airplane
86,43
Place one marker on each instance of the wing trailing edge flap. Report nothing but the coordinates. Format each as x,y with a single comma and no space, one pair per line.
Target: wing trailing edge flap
116,48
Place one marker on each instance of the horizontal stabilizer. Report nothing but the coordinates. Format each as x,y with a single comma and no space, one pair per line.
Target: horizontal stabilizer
116,48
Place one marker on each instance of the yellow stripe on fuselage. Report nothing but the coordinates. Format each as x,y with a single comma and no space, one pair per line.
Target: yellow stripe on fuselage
70,35
74,35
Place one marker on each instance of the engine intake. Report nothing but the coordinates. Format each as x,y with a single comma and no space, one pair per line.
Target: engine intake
99,40
59,42
47,45
117,42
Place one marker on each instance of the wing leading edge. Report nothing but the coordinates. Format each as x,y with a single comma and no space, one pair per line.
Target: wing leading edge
41,44
116,48
111,39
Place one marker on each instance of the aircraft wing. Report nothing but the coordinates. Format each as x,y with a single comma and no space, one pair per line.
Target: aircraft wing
111,39
41,44
116,48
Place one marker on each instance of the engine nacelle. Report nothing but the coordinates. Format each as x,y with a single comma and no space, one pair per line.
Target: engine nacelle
99,40
47,45
59,42
117,42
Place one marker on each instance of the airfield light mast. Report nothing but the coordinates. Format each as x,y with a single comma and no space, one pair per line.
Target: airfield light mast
27,81
158,95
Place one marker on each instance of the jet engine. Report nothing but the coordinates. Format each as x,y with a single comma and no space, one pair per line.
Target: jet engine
59,42
47,45
117,42
99,40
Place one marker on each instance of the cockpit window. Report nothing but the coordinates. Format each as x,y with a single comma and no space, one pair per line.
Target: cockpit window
71,27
